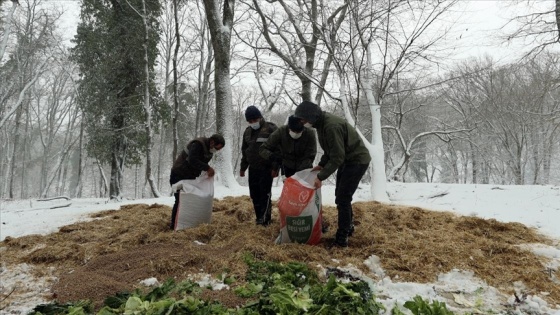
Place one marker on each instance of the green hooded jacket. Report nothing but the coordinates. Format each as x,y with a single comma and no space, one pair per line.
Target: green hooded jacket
341,144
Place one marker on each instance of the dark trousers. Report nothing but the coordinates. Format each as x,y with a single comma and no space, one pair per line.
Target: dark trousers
348,178
174,211
260,186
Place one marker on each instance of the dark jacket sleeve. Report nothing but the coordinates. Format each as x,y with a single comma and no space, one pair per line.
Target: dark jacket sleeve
311,148
268,150
196,152
244,145
334,138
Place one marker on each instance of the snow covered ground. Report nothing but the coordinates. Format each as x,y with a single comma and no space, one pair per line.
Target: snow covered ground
534,206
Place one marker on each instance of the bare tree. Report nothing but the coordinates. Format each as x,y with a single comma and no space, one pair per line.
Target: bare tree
411,122
26,63
540,27
380,41
515,110
274,94
294,36
56,118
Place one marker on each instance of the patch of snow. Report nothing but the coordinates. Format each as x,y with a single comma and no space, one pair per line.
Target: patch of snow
150,282
21,291
205,280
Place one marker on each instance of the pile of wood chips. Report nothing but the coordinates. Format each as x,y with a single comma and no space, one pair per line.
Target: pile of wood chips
119,248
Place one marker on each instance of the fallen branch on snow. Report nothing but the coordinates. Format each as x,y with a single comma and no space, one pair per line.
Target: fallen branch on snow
438,195
54,198
61,206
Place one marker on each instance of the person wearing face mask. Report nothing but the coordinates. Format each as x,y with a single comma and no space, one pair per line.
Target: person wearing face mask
192,161
345,153
260,169
292,146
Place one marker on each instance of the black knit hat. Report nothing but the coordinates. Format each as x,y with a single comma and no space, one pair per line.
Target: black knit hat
295,124
309,111
252,112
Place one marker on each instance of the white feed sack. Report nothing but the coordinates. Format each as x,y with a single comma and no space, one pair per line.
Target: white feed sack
195,202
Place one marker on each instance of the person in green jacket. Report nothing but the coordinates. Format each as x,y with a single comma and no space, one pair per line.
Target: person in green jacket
291,147
345,153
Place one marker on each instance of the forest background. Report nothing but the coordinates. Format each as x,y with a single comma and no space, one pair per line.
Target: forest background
105,114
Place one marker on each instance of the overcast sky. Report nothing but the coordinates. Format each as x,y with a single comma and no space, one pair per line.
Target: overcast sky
483,24
476,26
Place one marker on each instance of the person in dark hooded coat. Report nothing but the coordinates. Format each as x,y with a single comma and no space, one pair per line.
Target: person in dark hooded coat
291,148
345,153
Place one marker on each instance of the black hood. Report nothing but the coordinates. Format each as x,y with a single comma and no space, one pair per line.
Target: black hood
309,111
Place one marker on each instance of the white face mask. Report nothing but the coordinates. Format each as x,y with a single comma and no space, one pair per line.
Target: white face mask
213,150
295,135
256,125
307,125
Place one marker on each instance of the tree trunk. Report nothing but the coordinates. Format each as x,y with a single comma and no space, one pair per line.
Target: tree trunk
162,149
393,175
148,108
136,182
557,14
220,31
375,148
175,81
117,160
474,158
103,188
57,168
8,29
24,155
454,161
5,170
517,168
547,159
11,177
204,73
79,183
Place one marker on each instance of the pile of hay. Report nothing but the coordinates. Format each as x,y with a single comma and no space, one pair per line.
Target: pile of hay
117,249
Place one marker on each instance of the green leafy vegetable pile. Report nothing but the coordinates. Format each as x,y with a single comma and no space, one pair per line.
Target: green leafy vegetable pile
272,288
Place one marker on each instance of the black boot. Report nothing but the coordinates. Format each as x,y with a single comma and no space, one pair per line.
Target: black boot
351,231
324,225
341,239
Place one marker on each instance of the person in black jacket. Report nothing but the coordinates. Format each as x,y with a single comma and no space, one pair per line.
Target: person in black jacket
192,161
291,147
260,170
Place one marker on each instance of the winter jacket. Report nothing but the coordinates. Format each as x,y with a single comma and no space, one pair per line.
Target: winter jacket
252,141
296,154
341,144
191,161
